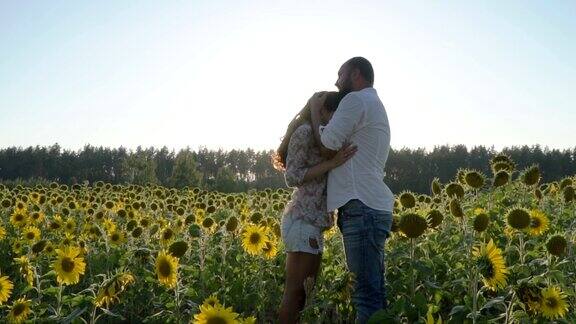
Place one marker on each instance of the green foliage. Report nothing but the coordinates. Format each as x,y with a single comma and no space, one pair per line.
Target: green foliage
406,169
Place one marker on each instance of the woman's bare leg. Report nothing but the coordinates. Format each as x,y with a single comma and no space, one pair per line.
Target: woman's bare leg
299,266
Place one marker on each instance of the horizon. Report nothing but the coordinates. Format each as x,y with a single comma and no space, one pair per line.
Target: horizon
228,75
172,149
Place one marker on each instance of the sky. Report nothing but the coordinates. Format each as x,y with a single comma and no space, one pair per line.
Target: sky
232,74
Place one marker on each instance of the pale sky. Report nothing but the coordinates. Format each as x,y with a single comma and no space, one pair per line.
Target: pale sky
231,74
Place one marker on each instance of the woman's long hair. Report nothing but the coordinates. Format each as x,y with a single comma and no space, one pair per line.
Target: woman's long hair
333,98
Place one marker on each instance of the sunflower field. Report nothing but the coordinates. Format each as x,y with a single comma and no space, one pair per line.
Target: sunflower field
496,248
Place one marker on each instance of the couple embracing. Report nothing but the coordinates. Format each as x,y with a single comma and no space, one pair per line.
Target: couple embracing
333,154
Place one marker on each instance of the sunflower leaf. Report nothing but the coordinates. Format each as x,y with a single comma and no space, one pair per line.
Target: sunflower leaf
492,302
75,314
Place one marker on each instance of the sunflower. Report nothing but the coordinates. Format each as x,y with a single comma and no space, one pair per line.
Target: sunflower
111,289
556,245
208,224
530,294
212,301
19,311
568,194
178,249
553,303
481,222
69,239
538,222
215,314
256,217
491,265
17,247
68,265
436,187
531,175
200,214
5,289
26,269
19,219
518,218
21,207
412,225
6,203
49,248
434,218
37,217
454,190
474,179
232,224
254,239
31,233
39,246
109,225
70,226
327,233
407,199
56,222
2,232
479,210
270,250
166,236
167,269
456,208
247,320
116,238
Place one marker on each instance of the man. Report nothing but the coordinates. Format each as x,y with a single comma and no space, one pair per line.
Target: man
356,188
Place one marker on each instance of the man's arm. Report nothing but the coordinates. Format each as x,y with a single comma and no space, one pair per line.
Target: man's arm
316,104
339,130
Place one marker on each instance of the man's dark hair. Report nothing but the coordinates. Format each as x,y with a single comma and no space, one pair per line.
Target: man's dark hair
364,66
333,100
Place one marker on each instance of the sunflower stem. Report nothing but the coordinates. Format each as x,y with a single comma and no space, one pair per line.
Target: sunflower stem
224,252
261,296
93,315
521,247
464,234
59,304
412,274
474,279
38,284
177,300
474,295
202,256
509,309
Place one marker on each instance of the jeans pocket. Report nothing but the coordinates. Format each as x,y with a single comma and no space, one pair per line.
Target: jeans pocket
383,223
352,217
352,224
354,208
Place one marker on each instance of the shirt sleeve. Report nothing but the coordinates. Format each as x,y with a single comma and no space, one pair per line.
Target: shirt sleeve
343,123
296,158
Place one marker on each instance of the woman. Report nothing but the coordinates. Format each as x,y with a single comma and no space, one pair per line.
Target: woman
305,216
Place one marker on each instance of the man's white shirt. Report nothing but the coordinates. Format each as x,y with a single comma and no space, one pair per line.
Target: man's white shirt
360,119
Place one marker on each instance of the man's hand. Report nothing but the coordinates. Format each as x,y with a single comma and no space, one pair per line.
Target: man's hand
344,154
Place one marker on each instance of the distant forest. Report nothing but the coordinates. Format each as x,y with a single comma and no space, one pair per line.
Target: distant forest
241,170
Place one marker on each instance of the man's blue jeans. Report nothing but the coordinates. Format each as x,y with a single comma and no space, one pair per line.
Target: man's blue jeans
365,231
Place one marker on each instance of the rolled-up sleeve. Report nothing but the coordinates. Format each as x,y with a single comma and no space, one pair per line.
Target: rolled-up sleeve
343,123
296,158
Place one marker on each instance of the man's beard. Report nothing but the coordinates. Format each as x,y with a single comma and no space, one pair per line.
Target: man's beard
346,87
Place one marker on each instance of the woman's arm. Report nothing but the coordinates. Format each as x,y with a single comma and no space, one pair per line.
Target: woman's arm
343,155
296,158
297,170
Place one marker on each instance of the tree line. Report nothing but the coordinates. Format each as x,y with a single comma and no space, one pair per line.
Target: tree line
241,170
